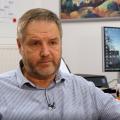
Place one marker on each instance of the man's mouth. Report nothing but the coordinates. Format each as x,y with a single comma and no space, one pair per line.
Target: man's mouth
45,61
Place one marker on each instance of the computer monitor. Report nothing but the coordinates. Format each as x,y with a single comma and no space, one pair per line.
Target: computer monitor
111,59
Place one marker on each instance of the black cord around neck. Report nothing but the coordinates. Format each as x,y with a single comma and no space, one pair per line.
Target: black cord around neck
50,105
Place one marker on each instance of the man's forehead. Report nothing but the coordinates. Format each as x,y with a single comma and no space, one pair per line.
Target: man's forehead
41,34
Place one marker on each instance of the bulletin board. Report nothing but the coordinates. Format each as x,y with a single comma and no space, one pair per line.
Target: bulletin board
10,11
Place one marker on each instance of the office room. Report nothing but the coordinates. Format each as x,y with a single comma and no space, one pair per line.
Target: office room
82,41
83,47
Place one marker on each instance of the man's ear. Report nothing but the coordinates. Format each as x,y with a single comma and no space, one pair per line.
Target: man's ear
19,45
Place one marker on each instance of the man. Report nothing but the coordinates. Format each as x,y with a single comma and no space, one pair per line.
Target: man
38,90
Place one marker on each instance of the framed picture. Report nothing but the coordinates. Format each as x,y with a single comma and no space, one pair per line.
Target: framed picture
89,9
111,49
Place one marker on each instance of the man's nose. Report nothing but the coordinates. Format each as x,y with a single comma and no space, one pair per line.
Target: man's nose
44,50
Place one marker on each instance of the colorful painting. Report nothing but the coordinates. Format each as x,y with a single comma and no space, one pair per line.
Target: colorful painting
89,9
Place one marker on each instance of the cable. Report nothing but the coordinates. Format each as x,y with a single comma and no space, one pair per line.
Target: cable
50,105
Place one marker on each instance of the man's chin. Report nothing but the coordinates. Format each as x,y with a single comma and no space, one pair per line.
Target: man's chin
46,73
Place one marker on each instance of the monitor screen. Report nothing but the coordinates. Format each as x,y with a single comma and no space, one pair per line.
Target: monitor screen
111,49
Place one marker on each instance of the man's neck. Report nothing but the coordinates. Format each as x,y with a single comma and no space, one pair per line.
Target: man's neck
43,82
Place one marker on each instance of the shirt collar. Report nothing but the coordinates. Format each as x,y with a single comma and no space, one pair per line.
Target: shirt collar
23,81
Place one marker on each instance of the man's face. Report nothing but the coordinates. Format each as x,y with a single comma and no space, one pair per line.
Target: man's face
41,49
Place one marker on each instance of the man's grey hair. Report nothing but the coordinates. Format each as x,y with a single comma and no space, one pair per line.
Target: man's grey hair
37,14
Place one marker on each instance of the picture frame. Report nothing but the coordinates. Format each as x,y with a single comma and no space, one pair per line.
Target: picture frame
83,10
111,36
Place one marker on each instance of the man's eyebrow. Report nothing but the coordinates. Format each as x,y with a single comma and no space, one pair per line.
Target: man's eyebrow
54,37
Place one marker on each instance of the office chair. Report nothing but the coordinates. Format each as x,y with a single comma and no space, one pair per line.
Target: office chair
64,67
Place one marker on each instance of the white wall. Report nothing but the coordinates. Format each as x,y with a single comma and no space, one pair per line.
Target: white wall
82,43
7,26
9,55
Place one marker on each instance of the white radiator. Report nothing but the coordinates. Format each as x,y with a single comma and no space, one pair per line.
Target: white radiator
9,58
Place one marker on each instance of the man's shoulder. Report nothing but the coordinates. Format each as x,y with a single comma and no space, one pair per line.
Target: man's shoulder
76,80
79,85
8,74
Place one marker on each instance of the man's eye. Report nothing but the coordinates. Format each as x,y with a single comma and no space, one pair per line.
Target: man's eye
53,42
34,43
